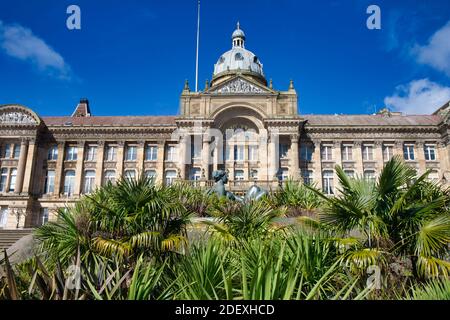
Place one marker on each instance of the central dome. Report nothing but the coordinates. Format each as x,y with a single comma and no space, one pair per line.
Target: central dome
239,59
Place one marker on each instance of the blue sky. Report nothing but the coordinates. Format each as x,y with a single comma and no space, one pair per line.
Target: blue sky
132,57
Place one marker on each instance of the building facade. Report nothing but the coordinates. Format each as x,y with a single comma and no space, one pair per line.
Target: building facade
239,123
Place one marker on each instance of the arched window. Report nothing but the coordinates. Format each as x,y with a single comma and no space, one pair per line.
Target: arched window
151,174
238,56
130,174
170,177
89,181
109,177
69,182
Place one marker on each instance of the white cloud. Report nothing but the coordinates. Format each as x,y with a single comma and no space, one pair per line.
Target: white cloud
418,97
20,42
437,52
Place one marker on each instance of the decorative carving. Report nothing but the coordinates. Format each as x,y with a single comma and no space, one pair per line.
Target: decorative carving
238,86
15,117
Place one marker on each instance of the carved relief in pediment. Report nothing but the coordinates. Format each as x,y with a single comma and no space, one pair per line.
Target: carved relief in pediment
238,85
16,117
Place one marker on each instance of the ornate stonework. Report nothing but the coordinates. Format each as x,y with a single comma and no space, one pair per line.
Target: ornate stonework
238,85
15,117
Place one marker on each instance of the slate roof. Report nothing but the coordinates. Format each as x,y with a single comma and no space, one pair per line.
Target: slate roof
372,120
111,121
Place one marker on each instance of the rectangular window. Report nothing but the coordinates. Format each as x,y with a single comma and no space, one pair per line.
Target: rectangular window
254,174
16,151
71,153
3,216
283,151
388,152
408,152
327,153
3,179
151,153
49,182
430,152
238,153
307,177
69,182
12,181
131,153
7,153
89,181
111,153
238,175
306,152
253,153
196,174
91,153
196,148
44,216
283,174
328,182
52,154
367,153
347,153
171,153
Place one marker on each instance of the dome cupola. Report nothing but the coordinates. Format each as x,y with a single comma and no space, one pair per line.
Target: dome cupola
238,60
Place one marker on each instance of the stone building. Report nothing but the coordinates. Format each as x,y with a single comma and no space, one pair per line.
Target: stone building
239,123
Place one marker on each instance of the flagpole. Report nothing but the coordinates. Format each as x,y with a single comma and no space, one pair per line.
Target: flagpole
198,41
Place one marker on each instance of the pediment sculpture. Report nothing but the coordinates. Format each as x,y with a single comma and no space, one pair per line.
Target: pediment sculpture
238,86
16,117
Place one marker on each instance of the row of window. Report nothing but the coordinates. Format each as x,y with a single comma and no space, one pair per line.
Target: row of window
150,153
367,151
328,178
239,153
10,151
89,179
8,179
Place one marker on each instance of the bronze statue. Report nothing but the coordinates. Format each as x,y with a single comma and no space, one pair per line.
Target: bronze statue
221,178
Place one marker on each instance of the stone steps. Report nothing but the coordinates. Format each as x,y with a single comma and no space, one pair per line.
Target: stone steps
9,237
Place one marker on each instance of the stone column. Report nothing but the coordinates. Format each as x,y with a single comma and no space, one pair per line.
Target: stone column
357,156
206,155
317,164
420,156
21,165
160,162
230,146
263,157
59,167
79,169
31,161
398,149
294,165
119,160
273,157
183,156
337,157
378,156
140,155
99,165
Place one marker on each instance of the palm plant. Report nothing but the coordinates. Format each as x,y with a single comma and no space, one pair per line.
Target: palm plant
298,199
125,220
245,220
394,213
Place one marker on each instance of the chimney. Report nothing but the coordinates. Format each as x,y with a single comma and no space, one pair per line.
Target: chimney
82,109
